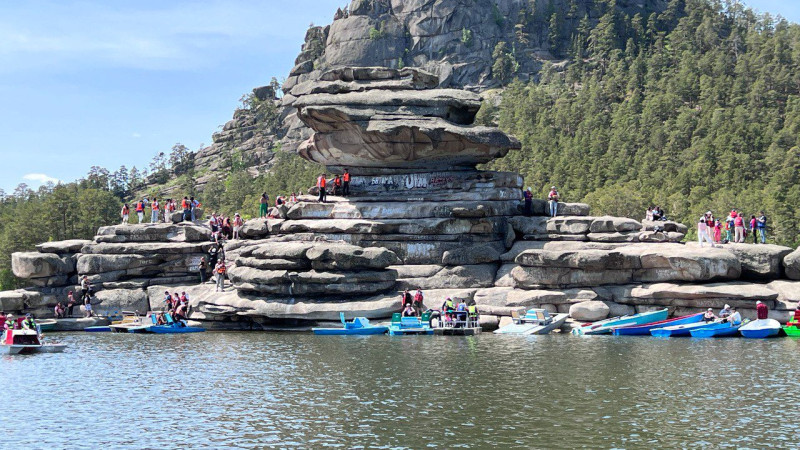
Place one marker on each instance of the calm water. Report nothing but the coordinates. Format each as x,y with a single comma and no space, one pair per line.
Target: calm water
297,390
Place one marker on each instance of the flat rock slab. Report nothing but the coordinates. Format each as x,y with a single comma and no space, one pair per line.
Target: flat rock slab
759,261
791,264
62,247
40,265
714,295
153,233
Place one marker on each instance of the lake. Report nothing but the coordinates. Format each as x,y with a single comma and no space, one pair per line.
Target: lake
294,390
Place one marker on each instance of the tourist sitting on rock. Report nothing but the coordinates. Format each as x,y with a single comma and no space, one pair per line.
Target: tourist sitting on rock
553,198
658,214
725,312
292,199
337,185
762,311
418,299
709,316
409,311
648,215
184,298
59,310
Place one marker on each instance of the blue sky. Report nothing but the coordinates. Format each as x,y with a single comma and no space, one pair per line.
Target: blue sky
115,82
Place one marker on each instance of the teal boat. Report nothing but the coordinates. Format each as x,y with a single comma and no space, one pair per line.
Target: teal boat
360,326
607,326
47,324
410,325
678,330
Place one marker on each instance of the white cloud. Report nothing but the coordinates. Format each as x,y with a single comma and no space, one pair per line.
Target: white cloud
40,178
136,135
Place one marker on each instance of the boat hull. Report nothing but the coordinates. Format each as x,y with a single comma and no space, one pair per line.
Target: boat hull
791,331
677,330
532,328
168,329
350,332
761,329
98,329
606,327
409,331
644,330
716,330
451,331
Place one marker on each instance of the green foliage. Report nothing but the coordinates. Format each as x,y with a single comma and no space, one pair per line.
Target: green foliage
693,109
379,32
466,37
504,63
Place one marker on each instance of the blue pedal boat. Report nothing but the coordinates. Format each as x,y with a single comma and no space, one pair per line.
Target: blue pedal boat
360,326
761,329
717,329
410,325
171,327
644,330
608,325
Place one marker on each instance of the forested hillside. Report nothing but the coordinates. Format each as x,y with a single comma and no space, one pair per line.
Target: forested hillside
694,109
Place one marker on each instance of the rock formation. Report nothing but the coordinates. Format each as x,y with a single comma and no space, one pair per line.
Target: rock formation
420,215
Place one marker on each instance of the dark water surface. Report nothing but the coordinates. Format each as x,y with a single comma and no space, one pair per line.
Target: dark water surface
298,390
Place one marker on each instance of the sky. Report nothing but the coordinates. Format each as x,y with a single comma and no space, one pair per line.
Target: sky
114,82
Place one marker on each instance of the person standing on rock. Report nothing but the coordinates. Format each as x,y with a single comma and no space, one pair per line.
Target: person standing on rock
238,223
85,286
87,305
702,230
528,197
194,204
753,224
70,303
761,226
346,183
154,209
553,198
125,213
321,184
717,231
738,224
264,205
187,211
140,210
762,311
729,226
201,268
220,271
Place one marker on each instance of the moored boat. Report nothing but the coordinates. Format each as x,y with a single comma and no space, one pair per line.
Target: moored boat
717,329
606,326
170,327
46,324
792,329
359,326
535,321
644,330
678,330
760,329
401,326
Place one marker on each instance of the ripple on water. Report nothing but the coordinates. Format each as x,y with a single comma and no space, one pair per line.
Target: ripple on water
299,391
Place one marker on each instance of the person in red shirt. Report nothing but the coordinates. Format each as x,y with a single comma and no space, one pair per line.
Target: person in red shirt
321,185
346,183
761,310
738,228
337,185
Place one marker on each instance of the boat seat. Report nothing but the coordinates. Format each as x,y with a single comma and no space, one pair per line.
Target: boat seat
396,317
154,318
361,322
426,316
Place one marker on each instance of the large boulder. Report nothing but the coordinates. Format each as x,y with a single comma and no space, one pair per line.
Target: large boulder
62,247
714,295
590,311
760,262
40,265
445,277
608,224
791,263
122,300
350,257
675,262
569,224
473,254
12,301
667,226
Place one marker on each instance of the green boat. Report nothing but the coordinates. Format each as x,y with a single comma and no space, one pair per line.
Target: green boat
792,329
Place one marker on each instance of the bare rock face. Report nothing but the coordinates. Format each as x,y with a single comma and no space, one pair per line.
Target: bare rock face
590,311
791,264
40,265
371,129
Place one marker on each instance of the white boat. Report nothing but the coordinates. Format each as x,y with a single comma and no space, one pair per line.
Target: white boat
535,321
18,342
760,329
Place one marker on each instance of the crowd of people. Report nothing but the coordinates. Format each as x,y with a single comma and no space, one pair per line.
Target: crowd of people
339,185
176,305
160,213
735,228
457,314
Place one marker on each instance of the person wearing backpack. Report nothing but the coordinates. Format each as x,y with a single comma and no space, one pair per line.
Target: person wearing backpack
220,271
